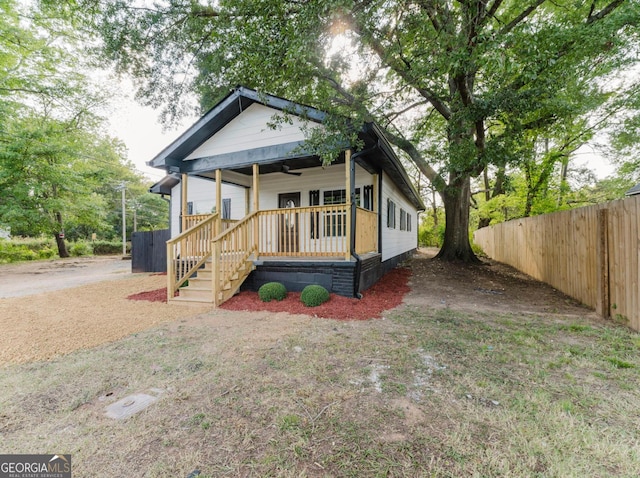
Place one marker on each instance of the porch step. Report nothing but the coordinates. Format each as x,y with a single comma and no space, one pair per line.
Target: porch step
195,293
187,301
200,291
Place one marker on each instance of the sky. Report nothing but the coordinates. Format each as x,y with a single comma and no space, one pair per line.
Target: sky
139,128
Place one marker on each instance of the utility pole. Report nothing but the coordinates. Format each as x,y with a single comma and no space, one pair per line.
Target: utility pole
122,187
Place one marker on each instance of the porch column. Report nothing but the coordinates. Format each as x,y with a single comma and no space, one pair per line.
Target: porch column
256,208
350,179
256,184
183,201
219,200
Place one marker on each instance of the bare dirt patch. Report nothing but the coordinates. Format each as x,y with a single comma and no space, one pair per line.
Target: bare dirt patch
49,324
490,286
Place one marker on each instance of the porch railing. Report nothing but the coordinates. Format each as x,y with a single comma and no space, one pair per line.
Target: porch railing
366,231
313,231
187,252
231,251
303,231
192,219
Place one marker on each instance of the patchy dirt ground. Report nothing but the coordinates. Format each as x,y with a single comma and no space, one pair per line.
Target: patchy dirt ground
48,324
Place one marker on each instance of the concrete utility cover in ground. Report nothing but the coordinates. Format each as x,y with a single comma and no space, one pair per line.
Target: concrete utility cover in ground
130,405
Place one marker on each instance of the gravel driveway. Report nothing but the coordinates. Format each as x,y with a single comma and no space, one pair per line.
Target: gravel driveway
29,278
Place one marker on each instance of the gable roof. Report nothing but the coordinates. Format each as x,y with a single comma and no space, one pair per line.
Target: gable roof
633,191
221,114
379,150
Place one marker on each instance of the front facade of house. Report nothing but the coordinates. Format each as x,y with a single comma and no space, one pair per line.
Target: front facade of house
283,216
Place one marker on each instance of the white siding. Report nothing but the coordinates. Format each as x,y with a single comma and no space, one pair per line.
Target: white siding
395,241
249,130
202,193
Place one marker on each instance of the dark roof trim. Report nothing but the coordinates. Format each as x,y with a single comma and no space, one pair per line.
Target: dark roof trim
165,185
397,171
246,158
633,191
221,114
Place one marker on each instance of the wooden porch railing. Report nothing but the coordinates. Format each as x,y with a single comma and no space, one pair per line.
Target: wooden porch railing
303,231
187,252
366,231
314,231
193,219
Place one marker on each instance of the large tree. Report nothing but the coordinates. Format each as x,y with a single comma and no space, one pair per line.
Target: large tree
58,168
455,84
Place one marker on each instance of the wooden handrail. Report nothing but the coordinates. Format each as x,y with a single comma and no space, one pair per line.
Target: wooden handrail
188,251
231,251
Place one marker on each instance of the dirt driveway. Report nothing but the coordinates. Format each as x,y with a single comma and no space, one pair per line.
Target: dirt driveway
51,321
29,278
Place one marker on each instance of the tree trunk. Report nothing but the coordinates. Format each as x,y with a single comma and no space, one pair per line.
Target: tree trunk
457,200
62,246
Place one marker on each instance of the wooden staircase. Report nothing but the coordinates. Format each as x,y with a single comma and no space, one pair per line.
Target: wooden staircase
200,287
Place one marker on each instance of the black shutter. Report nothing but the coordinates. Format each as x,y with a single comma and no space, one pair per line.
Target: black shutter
314,200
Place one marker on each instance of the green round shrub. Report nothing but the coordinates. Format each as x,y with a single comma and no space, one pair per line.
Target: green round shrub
272,291
314,295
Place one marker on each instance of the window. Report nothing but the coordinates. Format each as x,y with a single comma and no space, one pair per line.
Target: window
226,209
337,196
408,222
403,220
334,222
190,207
391,214
367,200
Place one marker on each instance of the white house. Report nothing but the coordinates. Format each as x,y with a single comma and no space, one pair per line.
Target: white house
283,216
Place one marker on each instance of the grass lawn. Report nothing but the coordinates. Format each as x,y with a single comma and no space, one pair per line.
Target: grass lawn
420,393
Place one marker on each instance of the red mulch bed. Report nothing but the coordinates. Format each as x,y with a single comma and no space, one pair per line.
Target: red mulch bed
158,295
386,294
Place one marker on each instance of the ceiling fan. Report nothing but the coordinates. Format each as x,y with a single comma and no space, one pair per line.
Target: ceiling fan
285,170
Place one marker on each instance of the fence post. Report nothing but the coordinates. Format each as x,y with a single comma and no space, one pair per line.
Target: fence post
603,305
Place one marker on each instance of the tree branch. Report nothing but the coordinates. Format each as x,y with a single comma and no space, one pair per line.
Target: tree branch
382,53
604,12
520,18
425,168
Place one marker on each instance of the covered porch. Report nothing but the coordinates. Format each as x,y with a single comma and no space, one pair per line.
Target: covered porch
214,256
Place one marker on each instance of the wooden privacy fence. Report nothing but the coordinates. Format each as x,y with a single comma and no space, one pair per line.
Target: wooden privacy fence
590,254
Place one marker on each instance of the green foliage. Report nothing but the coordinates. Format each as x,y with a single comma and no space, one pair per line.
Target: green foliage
430,232
272,291
314,295
30,249
18,250
106,248
58,170
80,249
